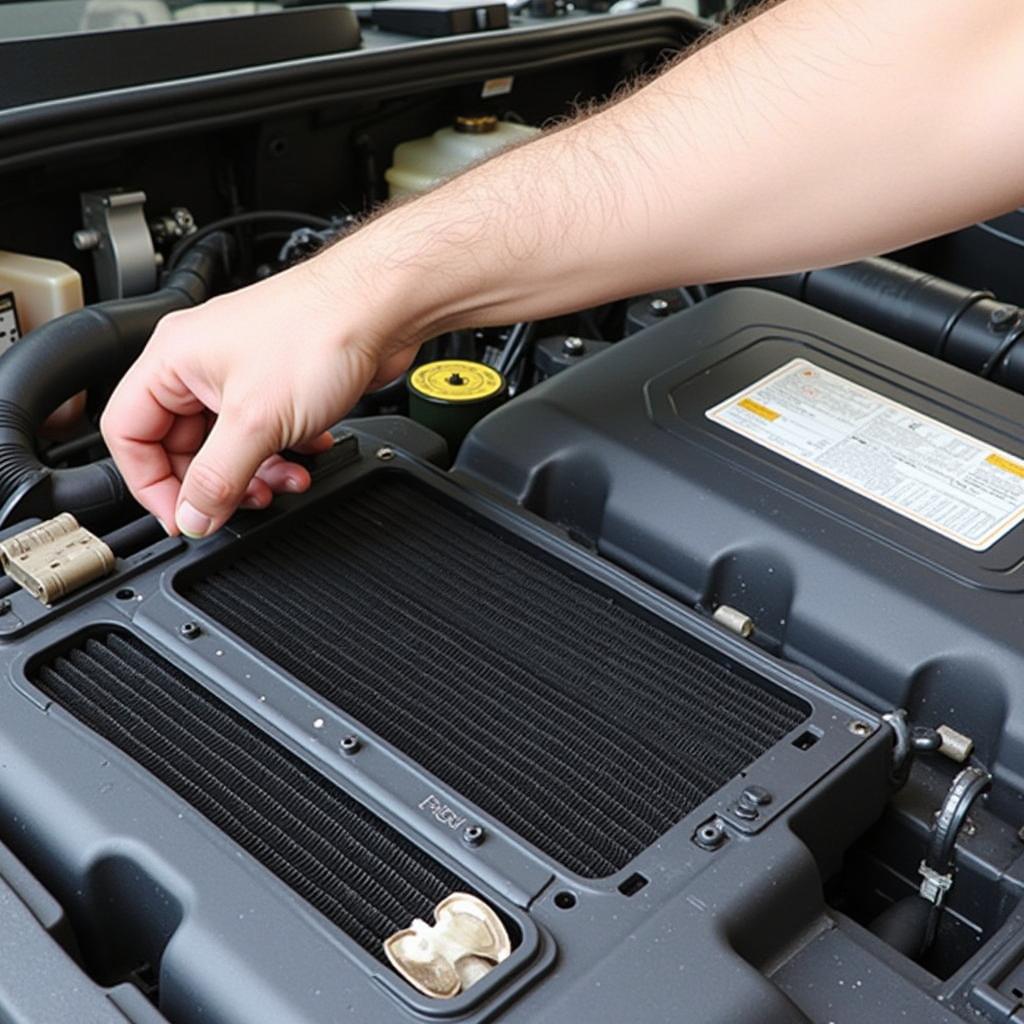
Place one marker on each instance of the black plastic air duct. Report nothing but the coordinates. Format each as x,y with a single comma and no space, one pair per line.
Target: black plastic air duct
963,326
83,350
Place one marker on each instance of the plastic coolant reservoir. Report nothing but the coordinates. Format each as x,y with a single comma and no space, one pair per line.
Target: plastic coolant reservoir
43,289
422,163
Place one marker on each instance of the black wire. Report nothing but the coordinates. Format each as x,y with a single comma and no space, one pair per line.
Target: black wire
515,345
1004,236
249,217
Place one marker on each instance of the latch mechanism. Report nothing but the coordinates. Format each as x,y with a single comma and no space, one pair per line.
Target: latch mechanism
55,558
467,941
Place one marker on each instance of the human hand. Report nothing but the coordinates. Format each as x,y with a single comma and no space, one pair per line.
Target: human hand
197,423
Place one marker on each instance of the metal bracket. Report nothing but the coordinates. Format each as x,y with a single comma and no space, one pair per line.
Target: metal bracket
115,231
55,558
466,943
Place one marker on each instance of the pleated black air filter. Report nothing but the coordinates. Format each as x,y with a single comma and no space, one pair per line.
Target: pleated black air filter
585,727
353,867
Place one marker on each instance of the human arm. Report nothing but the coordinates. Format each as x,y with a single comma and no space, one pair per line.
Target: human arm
820,131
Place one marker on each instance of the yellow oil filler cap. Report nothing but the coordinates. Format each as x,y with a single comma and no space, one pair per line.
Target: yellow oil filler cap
451,395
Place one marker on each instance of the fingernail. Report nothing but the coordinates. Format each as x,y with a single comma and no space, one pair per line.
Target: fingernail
163,526
293,483
251,503
192,522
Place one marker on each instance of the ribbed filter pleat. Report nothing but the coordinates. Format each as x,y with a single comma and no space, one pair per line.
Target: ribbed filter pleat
348,863
586,727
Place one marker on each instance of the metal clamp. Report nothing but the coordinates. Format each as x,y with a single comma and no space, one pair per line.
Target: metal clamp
55,558
934,885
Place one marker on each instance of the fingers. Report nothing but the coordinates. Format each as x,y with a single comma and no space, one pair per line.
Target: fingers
283,477
218,477
138,420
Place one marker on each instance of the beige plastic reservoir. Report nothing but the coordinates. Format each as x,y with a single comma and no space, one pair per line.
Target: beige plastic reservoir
422,163
43,289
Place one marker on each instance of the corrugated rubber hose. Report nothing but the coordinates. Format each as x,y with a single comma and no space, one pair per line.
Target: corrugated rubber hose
86,349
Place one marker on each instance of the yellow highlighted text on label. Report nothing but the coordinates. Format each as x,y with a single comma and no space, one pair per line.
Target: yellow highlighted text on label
758,409
1001,462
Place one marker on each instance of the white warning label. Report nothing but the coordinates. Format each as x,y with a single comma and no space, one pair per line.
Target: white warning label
939,477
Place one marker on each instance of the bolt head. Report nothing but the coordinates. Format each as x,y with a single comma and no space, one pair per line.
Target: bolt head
385,454
710,835
473,835
573,346
349,744
744,810
189,630
1001,317
756,795
86,239
659,307
859,728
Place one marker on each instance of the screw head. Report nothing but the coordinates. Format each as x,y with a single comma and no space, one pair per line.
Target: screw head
473,835
189,630
385,454
573,346
659,307
859,728
349,744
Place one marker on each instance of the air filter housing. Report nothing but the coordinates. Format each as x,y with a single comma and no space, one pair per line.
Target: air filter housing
585,726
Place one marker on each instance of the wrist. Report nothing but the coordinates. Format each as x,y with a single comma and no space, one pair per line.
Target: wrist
389,281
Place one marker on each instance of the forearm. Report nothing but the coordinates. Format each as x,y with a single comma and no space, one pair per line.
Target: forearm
816,133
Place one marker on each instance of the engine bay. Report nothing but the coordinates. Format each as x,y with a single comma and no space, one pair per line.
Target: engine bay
660,661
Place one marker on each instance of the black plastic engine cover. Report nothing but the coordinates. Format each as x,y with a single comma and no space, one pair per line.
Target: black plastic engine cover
621,451
236,764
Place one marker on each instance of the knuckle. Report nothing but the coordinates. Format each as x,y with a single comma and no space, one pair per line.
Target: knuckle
250,417
208,484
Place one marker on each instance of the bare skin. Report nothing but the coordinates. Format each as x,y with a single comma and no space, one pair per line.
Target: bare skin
820,131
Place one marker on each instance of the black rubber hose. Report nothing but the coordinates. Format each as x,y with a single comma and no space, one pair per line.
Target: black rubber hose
966,327
83,350
910,924
905,925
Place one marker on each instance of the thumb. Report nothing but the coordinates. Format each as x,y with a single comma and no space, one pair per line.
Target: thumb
218,476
